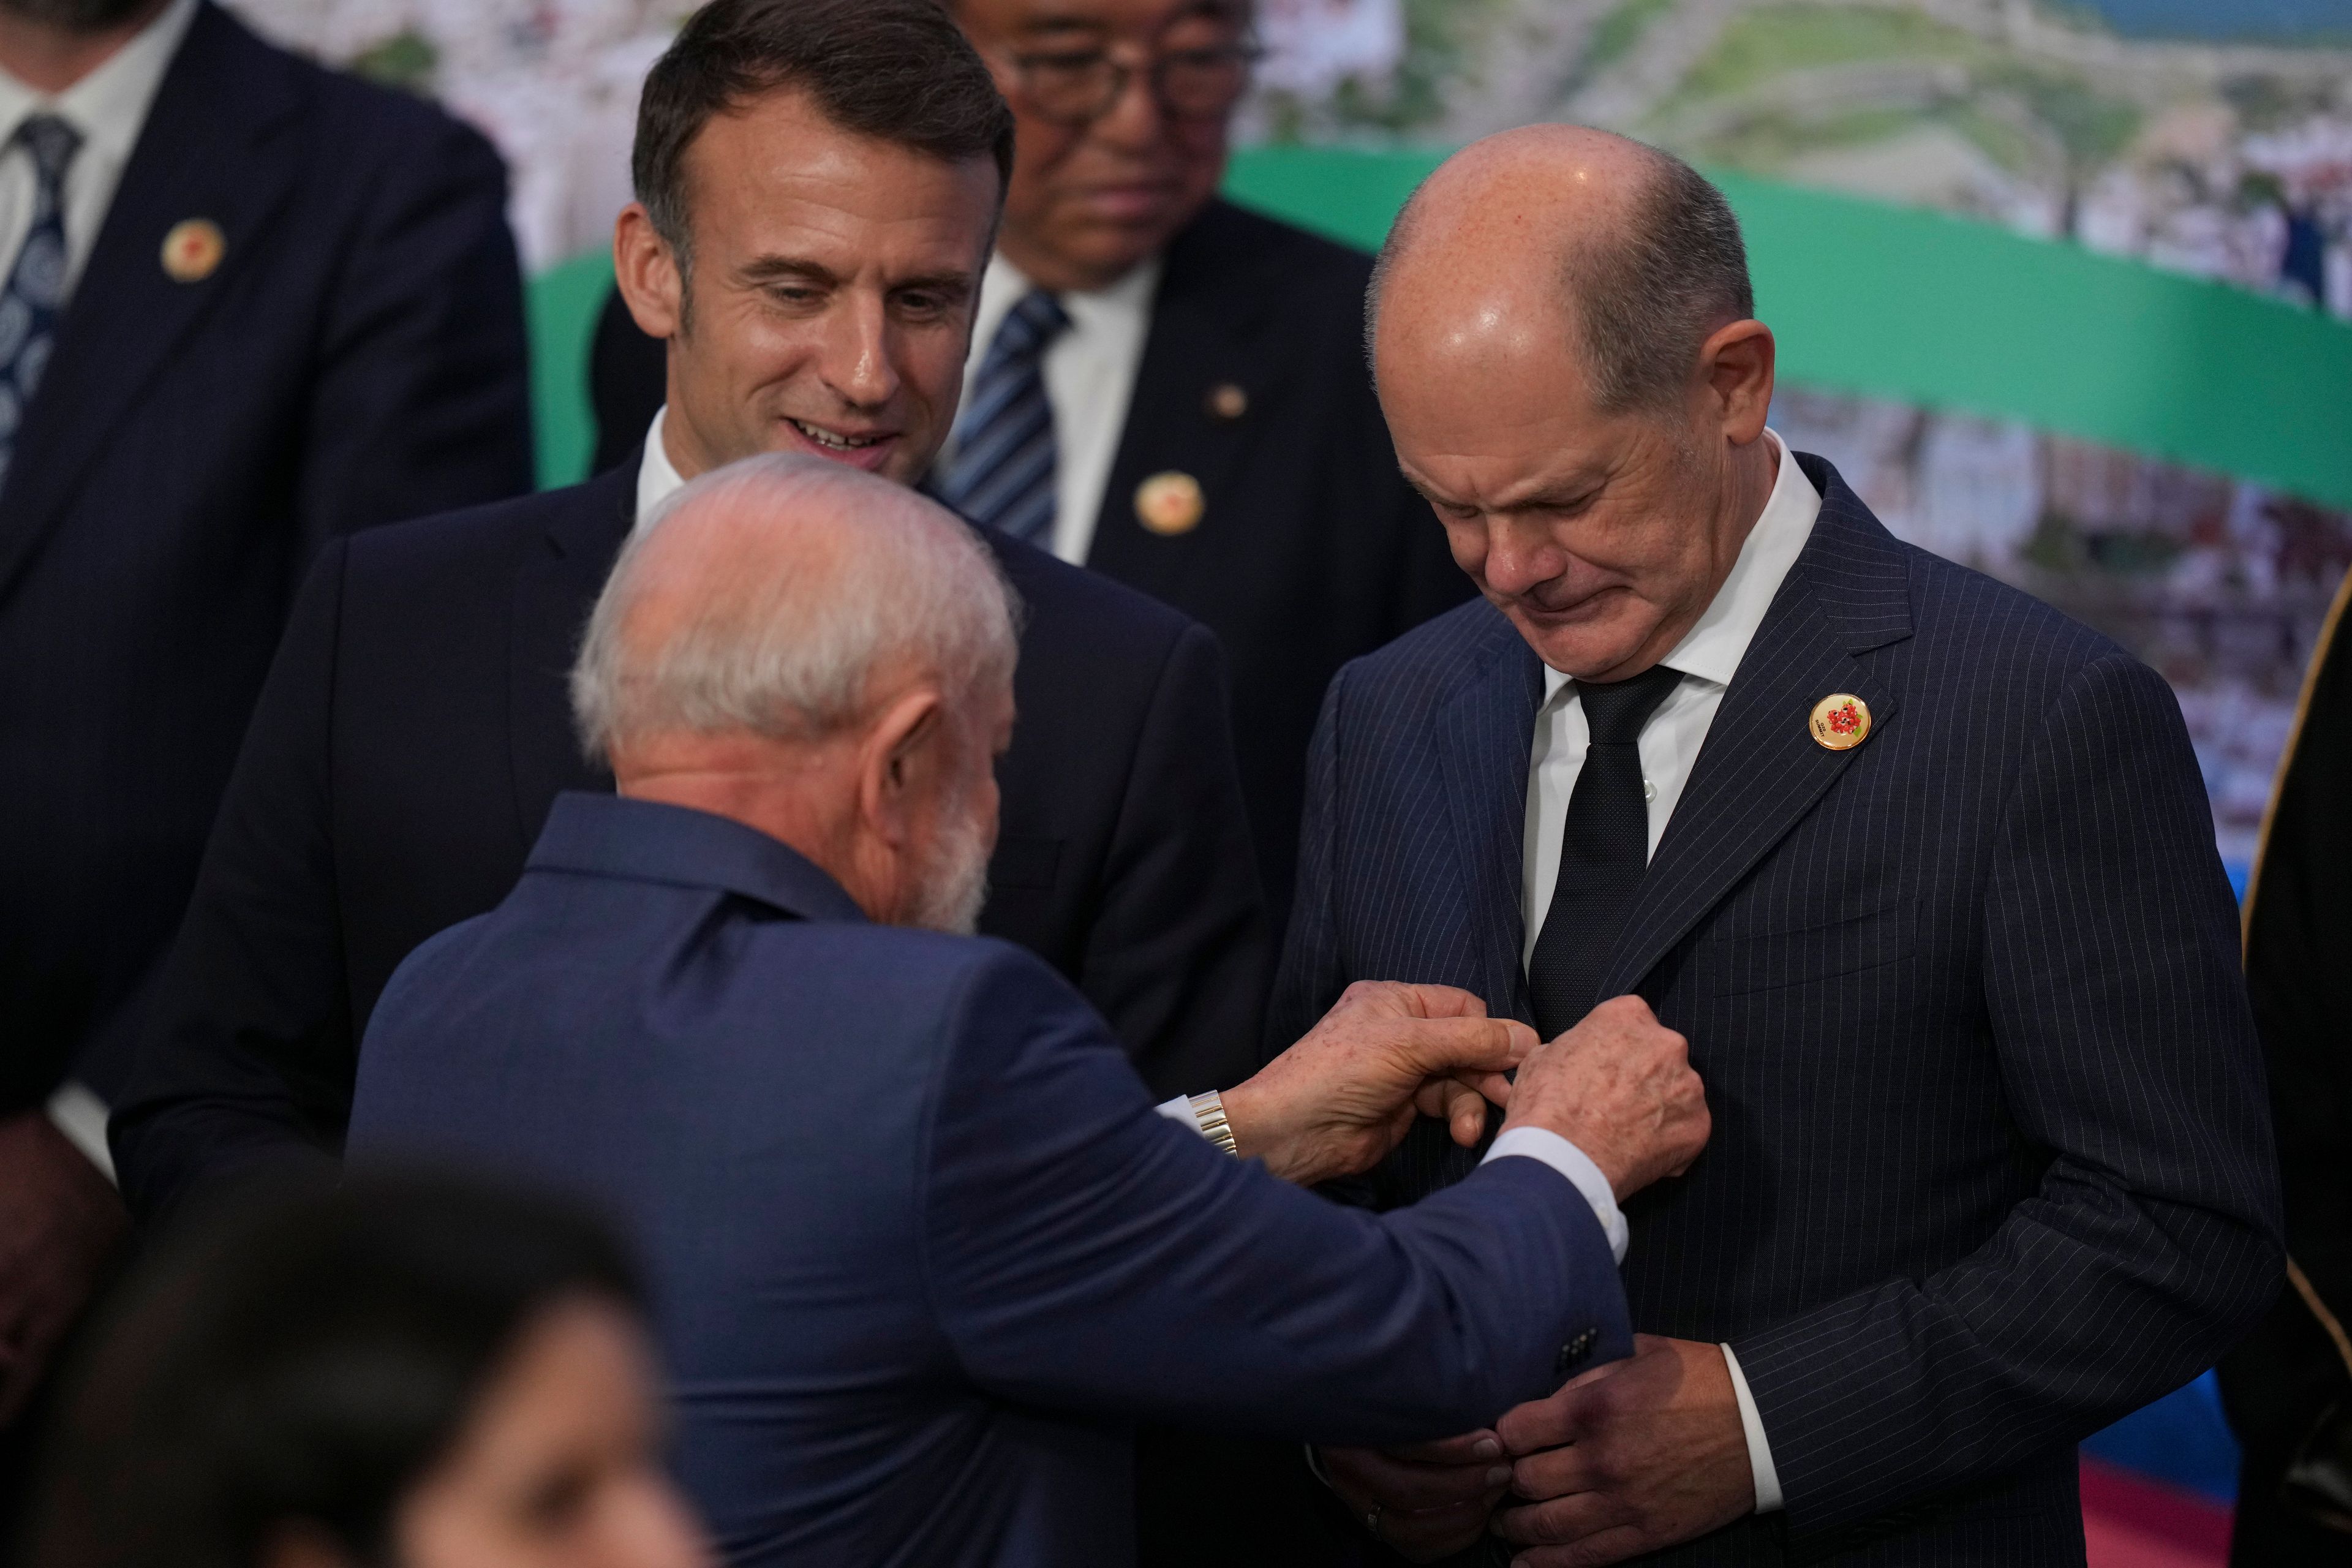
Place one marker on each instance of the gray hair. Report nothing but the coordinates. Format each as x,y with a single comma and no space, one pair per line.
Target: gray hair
1646,298
877,581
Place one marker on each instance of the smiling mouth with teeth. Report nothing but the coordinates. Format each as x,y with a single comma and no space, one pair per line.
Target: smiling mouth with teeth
836,443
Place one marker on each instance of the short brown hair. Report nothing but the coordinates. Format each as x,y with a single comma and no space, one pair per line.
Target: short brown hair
1651,296
896,71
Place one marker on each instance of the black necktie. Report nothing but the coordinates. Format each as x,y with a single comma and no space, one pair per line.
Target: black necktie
1601,855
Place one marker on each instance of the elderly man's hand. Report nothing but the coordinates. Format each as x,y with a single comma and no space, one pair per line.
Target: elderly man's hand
1628,1458
1620,1087
59,1220
1338,1101
1426,1502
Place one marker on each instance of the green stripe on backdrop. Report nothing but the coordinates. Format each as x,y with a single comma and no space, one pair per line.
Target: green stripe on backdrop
562,305
1865,298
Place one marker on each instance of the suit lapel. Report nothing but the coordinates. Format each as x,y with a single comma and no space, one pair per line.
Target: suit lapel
1760,771
209,150
553,591
1487,734
1203,335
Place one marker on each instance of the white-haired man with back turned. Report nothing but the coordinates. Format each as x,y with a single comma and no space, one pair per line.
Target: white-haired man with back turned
921,1246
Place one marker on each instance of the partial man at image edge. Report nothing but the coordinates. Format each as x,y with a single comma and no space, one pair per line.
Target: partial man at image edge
1923,870
415,729
1210,433
747,981
2289,1386
247,306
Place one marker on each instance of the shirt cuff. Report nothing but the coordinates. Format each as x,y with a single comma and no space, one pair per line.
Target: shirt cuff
80,1115
1180,1109
1759,1452
1540,1144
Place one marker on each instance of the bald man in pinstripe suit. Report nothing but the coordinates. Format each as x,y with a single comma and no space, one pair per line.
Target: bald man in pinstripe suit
1922,870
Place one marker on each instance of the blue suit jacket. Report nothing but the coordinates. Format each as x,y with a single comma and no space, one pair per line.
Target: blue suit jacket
920,1246
1992,1162
356,358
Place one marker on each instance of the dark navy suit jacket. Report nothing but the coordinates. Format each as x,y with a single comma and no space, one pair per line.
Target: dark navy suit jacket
357,357
920,1246
416,726
1313,548
1992,1164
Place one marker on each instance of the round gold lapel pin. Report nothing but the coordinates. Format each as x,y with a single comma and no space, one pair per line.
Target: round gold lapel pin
1841,721
193,249
1226,401
1170,504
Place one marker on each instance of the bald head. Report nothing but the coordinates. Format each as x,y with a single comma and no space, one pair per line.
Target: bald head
1559,235
786,596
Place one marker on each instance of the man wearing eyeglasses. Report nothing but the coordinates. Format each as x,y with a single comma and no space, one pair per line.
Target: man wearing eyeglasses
1164,387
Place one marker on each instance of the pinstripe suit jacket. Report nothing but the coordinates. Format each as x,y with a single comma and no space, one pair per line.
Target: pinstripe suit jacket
1992,1161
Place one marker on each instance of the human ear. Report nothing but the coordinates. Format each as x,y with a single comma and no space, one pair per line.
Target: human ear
646,272
902,765
1737,364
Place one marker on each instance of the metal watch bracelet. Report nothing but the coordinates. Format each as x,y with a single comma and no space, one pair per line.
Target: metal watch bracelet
1209,1114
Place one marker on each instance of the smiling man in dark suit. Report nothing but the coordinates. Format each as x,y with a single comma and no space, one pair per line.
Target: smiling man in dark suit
820,178
1922,870
1164,387
246,305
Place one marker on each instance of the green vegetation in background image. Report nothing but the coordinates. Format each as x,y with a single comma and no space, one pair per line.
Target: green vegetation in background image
1867,299
1439,34
1784,81
1613,37
406,59
1774,40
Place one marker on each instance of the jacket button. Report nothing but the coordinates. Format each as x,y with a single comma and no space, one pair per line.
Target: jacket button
1575,1353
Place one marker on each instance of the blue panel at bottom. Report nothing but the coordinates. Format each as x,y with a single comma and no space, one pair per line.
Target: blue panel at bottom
2181,1439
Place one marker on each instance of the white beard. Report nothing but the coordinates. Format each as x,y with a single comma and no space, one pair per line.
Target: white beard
955,884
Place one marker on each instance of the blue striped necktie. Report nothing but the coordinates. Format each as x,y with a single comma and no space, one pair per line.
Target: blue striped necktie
34,295
1003,472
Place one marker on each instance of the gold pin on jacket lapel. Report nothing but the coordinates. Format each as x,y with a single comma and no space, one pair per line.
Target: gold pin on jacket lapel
1170,504
193,249
1841,721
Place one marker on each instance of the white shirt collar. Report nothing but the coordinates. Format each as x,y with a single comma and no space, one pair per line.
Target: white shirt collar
110,105
657,477
1003,286
1712,649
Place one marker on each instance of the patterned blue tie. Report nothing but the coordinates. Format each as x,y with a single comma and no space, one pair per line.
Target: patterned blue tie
1003,471
35,289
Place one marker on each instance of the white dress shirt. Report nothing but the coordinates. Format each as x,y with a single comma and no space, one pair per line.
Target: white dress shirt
1519,1142
657,477
1708,656
109,107
1089,370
